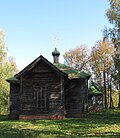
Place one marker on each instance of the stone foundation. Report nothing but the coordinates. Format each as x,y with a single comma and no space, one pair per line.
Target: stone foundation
12,117
32,117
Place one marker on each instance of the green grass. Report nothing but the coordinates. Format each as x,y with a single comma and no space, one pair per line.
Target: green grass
100,124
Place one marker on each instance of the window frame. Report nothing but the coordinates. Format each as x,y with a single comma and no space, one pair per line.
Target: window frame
40,97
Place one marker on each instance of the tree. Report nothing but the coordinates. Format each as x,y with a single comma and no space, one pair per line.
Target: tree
2,47
101,61
77,57
113,15
7,69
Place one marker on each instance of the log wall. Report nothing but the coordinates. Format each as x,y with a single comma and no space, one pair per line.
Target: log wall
41,76
76,97
14,99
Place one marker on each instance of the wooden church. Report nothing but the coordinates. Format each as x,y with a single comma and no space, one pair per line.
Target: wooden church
43,90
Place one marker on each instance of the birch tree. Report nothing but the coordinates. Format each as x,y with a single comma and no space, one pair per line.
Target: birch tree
7,69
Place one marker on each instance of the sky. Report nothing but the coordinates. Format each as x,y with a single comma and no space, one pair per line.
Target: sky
35,27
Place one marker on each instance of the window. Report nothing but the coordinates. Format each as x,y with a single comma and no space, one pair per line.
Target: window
41,98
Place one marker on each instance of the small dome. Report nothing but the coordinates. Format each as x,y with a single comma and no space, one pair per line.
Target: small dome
55,52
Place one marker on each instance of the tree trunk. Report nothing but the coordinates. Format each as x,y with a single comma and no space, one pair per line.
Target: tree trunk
119,97
108,89
119,101
105,92
110,95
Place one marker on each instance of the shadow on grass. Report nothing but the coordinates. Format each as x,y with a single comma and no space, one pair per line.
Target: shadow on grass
68,128
4,118
28,133
105,117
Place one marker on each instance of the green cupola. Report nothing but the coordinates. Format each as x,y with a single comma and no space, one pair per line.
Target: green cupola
55,54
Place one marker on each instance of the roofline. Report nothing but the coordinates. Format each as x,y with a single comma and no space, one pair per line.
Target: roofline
10,81
32,64
77,78
13,80
95,85
96,94
86,77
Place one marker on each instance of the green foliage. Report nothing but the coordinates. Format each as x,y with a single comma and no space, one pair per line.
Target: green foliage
100,124
7,69
115,95
2,47
113,15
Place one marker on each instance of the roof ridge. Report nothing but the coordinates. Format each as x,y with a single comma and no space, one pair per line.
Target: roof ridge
31,65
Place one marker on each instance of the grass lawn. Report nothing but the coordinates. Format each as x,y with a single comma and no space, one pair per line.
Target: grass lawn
100,124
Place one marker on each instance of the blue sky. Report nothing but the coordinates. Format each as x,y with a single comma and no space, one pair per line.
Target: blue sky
30,26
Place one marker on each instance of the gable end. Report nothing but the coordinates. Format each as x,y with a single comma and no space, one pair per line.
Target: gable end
32,65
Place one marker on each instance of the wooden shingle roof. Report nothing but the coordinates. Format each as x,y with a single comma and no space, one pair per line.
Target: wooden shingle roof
58,67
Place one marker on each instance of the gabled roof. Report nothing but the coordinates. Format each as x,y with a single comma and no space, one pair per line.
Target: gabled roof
94,90
31,65
72,73
61,69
